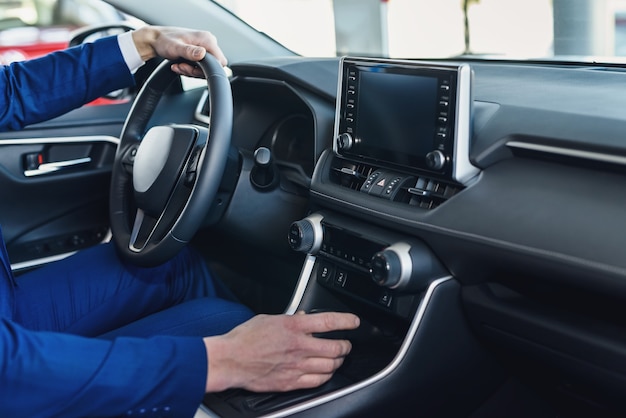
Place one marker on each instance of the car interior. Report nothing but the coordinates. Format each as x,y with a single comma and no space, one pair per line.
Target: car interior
469,211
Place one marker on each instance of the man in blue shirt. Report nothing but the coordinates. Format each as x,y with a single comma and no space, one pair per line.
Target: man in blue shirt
91,335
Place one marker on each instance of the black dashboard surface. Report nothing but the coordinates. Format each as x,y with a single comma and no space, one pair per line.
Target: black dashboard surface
538,205
536,239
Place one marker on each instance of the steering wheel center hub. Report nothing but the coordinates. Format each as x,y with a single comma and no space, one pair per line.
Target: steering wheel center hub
159,162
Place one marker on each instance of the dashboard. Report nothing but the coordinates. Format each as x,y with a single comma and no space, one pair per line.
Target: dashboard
470,212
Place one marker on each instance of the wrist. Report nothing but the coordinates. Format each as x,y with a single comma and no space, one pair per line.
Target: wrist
219,372
144,39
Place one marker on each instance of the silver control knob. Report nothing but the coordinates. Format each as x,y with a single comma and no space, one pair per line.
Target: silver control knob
344,142
435,160
392,267
405,266
306,235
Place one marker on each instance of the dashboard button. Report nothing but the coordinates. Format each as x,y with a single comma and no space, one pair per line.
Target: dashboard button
341,278
326,272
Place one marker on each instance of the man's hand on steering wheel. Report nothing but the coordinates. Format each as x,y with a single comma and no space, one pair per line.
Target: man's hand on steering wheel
177,43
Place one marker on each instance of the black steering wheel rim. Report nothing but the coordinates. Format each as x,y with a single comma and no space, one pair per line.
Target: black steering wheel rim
204,165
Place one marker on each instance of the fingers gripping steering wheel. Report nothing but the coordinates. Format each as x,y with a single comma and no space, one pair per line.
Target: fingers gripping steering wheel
165,179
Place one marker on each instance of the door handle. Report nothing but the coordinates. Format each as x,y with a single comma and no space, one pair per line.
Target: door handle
53,167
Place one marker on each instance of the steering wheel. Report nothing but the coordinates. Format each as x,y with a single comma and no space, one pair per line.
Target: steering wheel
164,179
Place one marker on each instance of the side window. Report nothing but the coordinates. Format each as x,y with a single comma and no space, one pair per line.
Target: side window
31,28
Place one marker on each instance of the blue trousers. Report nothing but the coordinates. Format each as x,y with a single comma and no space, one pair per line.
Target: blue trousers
95,294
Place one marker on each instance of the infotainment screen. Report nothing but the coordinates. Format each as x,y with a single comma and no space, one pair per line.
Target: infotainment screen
405,114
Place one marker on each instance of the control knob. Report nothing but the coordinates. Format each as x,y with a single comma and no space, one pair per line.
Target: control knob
435,160
404,266
306,235
391,266
264,175
344,142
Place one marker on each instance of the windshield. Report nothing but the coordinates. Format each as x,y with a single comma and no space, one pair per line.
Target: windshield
580,30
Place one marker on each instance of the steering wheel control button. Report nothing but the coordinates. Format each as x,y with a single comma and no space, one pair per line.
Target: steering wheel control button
128,160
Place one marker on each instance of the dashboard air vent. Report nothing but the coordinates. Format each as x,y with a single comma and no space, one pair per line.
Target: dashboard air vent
349,174
420,191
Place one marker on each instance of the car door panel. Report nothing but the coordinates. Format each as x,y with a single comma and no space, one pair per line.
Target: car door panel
54,183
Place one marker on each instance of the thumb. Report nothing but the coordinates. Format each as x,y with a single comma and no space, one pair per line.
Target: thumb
195,53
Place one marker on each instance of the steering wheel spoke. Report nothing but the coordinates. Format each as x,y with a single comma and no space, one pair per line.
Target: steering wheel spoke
143,229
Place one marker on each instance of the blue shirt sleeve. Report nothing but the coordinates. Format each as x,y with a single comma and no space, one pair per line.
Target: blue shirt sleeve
40,89
52,374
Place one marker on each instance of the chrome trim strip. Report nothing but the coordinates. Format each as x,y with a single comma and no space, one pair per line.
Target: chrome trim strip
404,348
403,250
463,170
41,261
60,140
204,412
139,217
568,152
303,282
49,168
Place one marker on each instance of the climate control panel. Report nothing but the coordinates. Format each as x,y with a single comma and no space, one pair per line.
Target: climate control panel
372,263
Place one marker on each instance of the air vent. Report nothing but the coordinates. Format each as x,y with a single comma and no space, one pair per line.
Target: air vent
349,174
414,190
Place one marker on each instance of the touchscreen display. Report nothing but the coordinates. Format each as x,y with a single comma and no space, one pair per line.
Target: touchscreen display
410,116
397,114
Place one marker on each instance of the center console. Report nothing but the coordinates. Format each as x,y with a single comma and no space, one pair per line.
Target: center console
401,146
